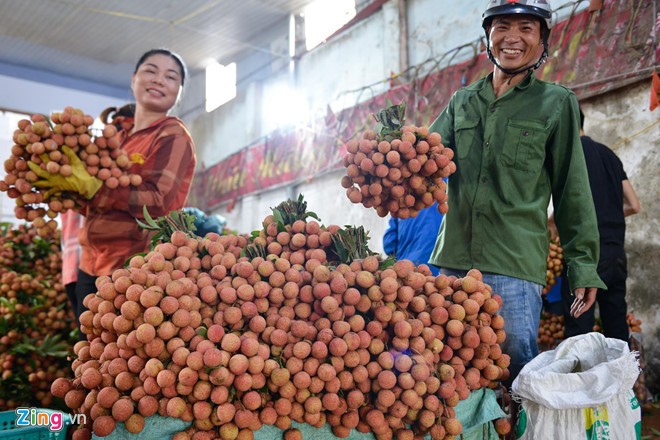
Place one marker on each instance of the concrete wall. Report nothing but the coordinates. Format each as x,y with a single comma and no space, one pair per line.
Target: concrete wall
365,54
432,29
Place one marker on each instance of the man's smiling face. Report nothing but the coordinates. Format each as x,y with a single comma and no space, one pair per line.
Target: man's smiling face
515,40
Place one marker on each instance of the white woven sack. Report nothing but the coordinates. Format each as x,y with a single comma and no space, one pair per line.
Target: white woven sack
582,389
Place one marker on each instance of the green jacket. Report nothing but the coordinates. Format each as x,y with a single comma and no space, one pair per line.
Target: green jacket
512,153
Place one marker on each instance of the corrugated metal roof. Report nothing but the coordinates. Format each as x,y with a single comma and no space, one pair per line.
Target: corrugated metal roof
100,40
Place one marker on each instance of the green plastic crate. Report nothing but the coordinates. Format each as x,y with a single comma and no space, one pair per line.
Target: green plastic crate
9,430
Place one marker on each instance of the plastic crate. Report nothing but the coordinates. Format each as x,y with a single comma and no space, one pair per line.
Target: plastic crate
9,430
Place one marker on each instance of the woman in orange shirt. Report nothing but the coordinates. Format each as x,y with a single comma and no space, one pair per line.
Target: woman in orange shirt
167,162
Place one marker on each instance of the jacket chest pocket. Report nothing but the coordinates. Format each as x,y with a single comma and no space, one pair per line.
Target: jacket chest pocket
466,136
524,145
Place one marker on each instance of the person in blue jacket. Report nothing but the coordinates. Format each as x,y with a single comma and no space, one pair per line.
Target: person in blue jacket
413,238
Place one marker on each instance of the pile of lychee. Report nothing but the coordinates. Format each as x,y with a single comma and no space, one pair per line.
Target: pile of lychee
40,140
231,334
551,331
35,322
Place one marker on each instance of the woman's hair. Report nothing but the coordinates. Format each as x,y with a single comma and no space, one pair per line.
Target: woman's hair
111,113
176,57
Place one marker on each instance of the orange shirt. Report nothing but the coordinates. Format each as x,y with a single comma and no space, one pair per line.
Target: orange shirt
72,223
111,235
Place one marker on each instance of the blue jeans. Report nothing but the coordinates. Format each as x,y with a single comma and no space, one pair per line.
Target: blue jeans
521,311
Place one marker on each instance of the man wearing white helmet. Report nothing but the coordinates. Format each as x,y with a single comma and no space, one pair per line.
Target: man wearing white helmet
517,142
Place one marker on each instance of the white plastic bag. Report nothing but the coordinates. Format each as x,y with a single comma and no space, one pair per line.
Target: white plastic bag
581,390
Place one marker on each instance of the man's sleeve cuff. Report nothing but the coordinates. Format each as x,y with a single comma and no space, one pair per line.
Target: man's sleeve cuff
584,276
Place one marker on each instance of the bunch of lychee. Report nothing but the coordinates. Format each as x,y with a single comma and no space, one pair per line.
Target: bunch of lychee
398,175
40,140
554,264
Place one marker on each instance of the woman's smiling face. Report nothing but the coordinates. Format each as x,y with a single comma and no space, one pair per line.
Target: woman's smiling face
515,40
156,83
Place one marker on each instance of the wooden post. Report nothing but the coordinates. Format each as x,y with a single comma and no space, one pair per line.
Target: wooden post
404,62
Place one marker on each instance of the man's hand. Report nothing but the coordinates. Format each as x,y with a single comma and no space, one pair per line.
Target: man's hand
80,181
584,299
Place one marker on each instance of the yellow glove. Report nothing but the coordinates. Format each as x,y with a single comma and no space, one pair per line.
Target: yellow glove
80,181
